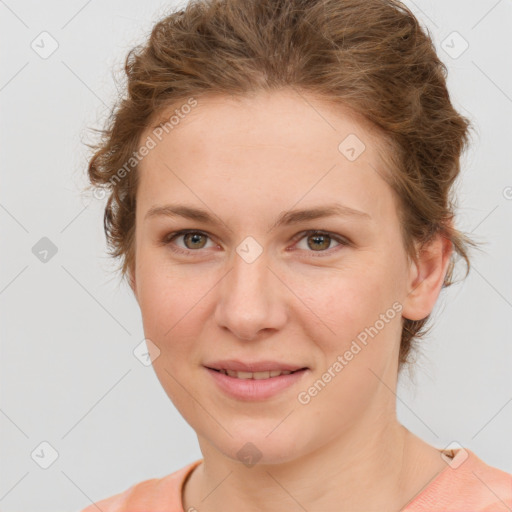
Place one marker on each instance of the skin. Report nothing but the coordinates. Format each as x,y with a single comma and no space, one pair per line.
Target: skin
246,161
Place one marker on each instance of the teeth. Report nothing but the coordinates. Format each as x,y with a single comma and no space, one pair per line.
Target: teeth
255,375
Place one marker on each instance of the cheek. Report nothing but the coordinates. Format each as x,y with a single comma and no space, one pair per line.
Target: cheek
170,305
346,302
166,291
164,299
175,307
359,309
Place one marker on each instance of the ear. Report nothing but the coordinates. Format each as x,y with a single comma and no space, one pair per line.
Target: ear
426,278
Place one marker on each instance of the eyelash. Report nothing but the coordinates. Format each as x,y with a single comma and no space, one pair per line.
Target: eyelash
168,239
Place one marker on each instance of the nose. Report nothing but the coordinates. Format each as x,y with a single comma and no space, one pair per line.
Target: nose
251,299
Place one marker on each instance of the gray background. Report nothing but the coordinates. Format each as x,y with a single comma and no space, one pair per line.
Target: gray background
68,328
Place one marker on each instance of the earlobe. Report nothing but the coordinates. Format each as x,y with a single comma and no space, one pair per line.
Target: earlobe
427,278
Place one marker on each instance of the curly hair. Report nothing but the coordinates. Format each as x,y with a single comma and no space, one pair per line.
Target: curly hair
369,55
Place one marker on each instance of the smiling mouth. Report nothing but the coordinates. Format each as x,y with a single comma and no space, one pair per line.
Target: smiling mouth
256,375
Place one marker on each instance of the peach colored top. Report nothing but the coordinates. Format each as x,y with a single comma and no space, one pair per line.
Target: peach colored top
467,484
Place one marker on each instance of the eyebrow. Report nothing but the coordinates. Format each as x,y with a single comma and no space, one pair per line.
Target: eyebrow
285,218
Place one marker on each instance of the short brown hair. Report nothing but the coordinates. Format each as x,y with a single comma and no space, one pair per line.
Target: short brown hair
369,55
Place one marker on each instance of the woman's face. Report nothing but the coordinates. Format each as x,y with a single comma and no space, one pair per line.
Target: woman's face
253,285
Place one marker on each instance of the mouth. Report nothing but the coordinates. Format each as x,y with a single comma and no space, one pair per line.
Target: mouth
263,375
259,385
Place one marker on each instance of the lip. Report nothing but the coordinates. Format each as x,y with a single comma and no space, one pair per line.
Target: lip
252,366
255,389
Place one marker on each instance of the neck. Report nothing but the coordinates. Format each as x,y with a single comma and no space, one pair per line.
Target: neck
381,460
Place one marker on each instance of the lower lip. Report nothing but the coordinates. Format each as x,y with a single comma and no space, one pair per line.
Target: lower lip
255,389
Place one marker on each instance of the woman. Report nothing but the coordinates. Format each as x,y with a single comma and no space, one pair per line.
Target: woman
280,176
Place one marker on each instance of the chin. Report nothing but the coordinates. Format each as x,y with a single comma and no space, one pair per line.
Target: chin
255,445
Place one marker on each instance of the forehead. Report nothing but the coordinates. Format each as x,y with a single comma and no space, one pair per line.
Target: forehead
269,148
295,120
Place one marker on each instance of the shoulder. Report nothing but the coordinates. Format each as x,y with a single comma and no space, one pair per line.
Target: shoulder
495,487
497,483
467,483
157,494
488,486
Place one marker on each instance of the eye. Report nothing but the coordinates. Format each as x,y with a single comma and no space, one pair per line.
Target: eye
193,240
320,241
317,241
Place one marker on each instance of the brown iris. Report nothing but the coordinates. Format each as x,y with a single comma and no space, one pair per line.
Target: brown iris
321,241
195,238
